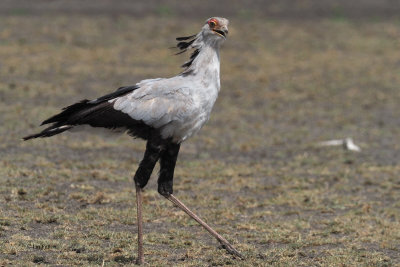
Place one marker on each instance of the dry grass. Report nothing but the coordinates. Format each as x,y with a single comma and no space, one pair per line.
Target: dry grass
253,172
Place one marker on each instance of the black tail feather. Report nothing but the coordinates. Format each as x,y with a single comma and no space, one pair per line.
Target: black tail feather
87,104
50,131
67,112
96,113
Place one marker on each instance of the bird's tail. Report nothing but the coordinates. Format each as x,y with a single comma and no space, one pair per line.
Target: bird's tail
96,113
76,114
50,131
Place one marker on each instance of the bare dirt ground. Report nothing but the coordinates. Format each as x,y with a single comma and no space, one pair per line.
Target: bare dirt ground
292,75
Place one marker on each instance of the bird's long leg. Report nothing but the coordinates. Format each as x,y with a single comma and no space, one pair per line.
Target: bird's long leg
142,176
165,188
140,257
226,245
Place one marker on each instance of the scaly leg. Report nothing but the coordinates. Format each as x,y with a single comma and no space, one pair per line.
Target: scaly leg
142,176
165,188
140,257
226,245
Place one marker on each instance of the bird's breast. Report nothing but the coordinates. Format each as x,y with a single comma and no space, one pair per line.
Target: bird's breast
194,117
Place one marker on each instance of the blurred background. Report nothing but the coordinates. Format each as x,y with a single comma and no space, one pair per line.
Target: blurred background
293,74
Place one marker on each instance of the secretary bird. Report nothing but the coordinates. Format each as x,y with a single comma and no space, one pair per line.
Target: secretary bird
163,111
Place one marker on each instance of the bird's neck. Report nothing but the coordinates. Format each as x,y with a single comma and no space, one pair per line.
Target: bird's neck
206,66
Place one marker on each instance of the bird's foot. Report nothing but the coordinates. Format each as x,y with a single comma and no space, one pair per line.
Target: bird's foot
225,244
139,262
228,247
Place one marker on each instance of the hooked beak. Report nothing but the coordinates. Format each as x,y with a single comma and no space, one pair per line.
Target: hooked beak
223,31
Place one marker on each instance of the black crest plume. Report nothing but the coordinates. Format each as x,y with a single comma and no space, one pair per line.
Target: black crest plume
185,43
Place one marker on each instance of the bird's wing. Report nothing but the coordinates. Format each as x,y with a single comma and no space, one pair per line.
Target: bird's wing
156,103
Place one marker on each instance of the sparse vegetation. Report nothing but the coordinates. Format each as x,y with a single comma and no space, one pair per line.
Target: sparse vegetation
253,172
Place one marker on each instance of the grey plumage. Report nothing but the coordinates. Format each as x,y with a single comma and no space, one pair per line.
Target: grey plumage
179,106
176,107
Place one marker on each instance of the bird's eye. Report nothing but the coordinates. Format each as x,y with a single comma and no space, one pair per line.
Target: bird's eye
212,23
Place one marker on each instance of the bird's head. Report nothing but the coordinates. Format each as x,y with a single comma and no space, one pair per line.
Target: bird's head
213,33
215,29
